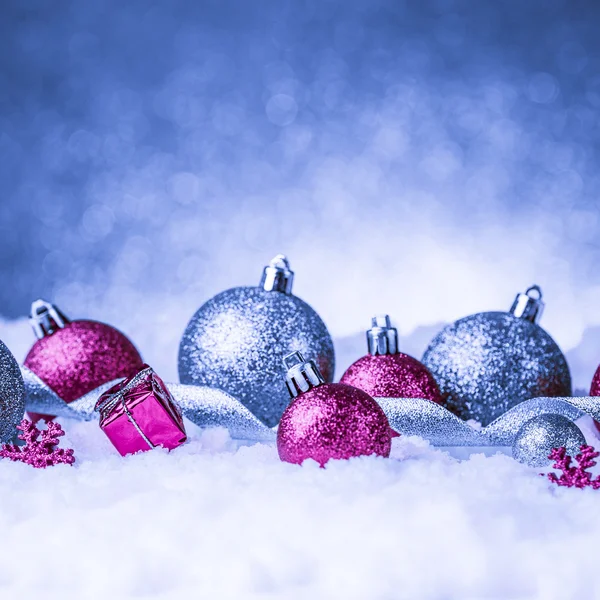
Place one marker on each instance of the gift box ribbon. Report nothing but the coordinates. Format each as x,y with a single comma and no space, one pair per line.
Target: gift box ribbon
112,400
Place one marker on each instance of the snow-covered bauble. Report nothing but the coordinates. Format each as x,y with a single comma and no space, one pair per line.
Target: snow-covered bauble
75,357
489,362
236,342
388,373
12,394
328,420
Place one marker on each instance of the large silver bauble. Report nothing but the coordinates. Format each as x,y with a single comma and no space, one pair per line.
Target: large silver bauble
237,340
489,362
538,436
12,394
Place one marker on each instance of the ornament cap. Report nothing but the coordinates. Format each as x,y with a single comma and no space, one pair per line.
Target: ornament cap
529,305
302,375
382,338
45,318
277,276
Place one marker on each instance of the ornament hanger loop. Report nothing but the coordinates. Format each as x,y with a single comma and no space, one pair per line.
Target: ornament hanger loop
528,306
382,338
537,289
277,276
301,375
45,318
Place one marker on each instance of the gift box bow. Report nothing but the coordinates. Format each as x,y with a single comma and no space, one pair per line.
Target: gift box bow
131,392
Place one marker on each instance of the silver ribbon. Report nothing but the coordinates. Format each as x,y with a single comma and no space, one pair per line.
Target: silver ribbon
209,407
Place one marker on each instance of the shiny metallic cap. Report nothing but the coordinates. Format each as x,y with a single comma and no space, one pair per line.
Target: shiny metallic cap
277,276
382,338
529,305
45,318
301,375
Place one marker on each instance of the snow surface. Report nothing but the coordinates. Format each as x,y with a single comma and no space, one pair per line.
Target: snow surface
220,519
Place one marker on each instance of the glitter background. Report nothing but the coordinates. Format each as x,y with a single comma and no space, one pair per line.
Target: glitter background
426,159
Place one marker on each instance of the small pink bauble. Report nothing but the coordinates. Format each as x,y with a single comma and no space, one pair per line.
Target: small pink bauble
77,357
392,376
333,420
595,388
387,373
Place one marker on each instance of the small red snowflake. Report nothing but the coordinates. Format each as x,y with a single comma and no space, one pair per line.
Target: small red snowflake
578,476
42,452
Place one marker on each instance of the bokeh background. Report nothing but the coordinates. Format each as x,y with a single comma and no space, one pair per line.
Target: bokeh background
427,159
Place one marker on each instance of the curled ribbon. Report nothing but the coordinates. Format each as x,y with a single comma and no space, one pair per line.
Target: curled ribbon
210,407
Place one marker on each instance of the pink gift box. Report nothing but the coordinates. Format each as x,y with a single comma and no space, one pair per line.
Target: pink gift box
140,414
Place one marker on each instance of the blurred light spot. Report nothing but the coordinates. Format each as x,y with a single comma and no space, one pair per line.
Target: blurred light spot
83,145
97,222
277,71
348,36
542,88
228,118
572,58
281,109
185,188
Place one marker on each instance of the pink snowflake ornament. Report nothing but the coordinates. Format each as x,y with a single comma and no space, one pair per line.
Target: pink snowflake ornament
38,452
578,476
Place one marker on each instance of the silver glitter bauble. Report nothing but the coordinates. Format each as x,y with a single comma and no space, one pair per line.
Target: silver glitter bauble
489,362
539,435
237,340
12,394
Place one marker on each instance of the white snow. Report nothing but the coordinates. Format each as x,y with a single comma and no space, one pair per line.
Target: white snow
219,519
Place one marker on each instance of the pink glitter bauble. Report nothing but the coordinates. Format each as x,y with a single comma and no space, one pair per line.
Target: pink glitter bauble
595,387
78,358
333,421
595,390
392,376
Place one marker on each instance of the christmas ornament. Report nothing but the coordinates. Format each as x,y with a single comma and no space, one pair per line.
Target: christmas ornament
578,476
538,436
39,453
385,372
75,357
489,362
12,394
140,414
328,420
236,341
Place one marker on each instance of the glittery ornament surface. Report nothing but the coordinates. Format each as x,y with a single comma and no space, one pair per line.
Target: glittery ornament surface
489,362
83,355
392,375
332,421
595,387
41,447
535,440
12,394
578,476
237,340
